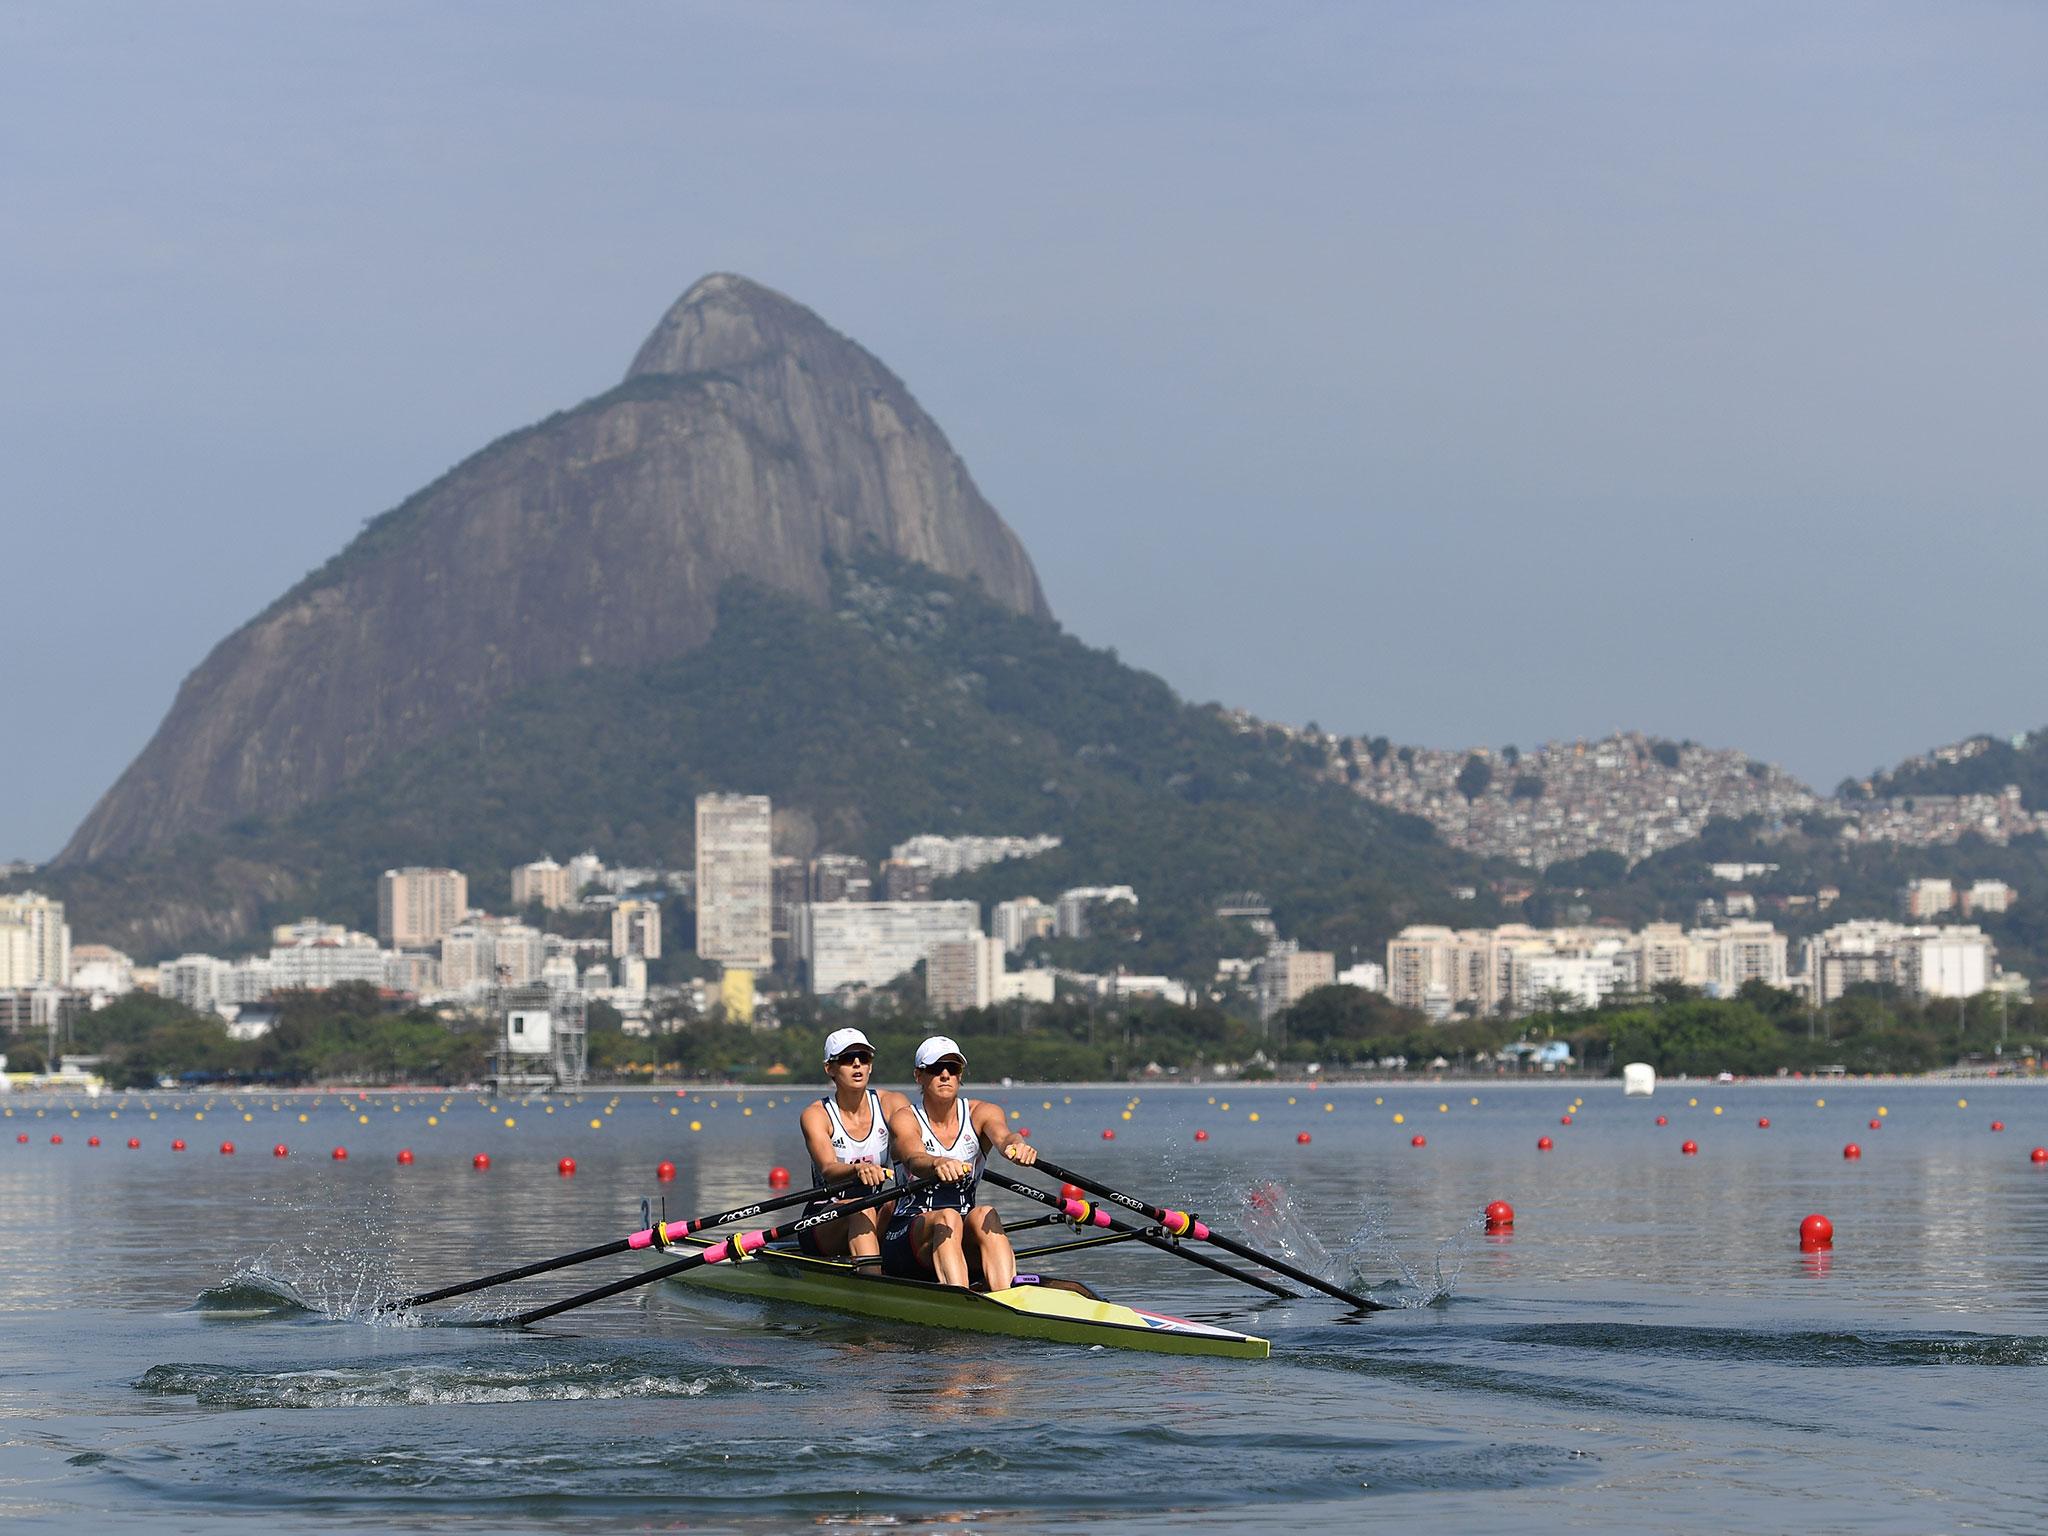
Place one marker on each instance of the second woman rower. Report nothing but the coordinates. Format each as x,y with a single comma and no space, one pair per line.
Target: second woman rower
941,1231
847,1135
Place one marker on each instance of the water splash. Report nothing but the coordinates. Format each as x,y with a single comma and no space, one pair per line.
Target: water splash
1272,1222
340,1267
1371,1246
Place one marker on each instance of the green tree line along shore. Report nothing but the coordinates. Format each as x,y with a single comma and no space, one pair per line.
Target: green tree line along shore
348,1035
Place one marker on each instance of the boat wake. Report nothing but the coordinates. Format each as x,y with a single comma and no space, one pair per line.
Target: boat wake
438,1383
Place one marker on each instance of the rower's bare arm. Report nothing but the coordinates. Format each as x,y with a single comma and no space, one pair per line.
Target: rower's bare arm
818,1142
998,1137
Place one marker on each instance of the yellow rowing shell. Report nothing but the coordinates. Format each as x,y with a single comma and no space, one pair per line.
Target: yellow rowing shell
1060,1312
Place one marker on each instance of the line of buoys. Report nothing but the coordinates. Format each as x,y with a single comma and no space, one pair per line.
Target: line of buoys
1851,1152
1499,1215
1816,1232
1690,1149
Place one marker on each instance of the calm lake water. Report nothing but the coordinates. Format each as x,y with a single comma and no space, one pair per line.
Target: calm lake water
1648,1351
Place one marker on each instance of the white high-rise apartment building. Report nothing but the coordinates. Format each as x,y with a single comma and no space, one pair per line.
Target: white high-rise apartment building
543,881
636,929
418,906
1288,974
963,973
1419,965
1943,961
1987,896
871,943
491,952
35,942
1018,922
735,881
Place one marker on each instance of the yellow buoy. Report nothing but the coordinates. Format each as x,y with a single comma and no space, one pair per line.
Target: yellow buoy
1399,1118
696,1125
1253,1115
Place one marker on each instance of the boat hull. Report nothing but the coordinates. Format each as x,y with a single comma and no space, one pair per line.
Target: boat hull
1045,1312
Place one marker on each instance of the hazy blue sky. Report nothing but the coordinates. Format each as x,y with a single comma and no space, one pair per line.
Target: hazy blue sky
1464,373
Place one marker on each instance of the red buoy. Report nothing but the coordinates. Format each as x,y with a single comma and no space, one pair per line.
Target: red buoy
134,1142
1073,1192
1302,1138
778,1178
404,1155
2039,1154
1690,1149
664,1171
1851,1152
1542,1143
566,1167
227,1149
481,1162
1877,1125
1109,1135
56,1141
340,1155
93,1141
1816,1232
1564,1119
1764,1124
1998,1125
178,1146
1201,1135
280,1150
1662,1120
22,1138
1024,1131
1499,1214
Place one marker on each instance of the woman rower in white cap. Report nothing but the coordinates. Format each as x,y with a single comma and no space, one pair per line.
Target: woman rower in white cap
940,1231
847,1135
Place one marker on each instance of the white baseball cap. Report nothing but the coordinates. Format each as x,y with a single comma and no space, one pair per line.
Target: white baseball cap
937,1049
842,1040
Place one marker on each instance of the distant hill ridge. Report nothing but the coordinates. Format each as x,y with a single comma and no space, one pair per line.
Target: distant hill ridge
749,439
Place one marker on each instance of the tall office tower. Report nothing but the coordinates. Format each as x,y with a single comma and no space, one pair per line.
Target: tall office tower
418,906
735,882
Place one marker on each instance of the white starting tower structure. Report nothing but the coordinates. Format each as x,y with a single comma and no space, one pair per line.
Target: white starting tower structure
543,1041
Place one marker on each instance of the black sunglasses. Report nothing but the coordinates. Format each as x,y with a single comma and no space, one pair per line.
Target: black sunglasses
949,1068
853,1058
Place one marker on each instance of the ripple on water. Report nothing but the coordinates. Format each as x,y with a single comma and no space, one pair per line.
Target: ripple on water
440,1383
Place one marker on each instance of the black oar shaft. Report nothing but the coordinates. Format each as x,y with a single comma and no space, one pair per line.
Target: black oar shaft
1151,1240
736,1243
1229,1245
602,1250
